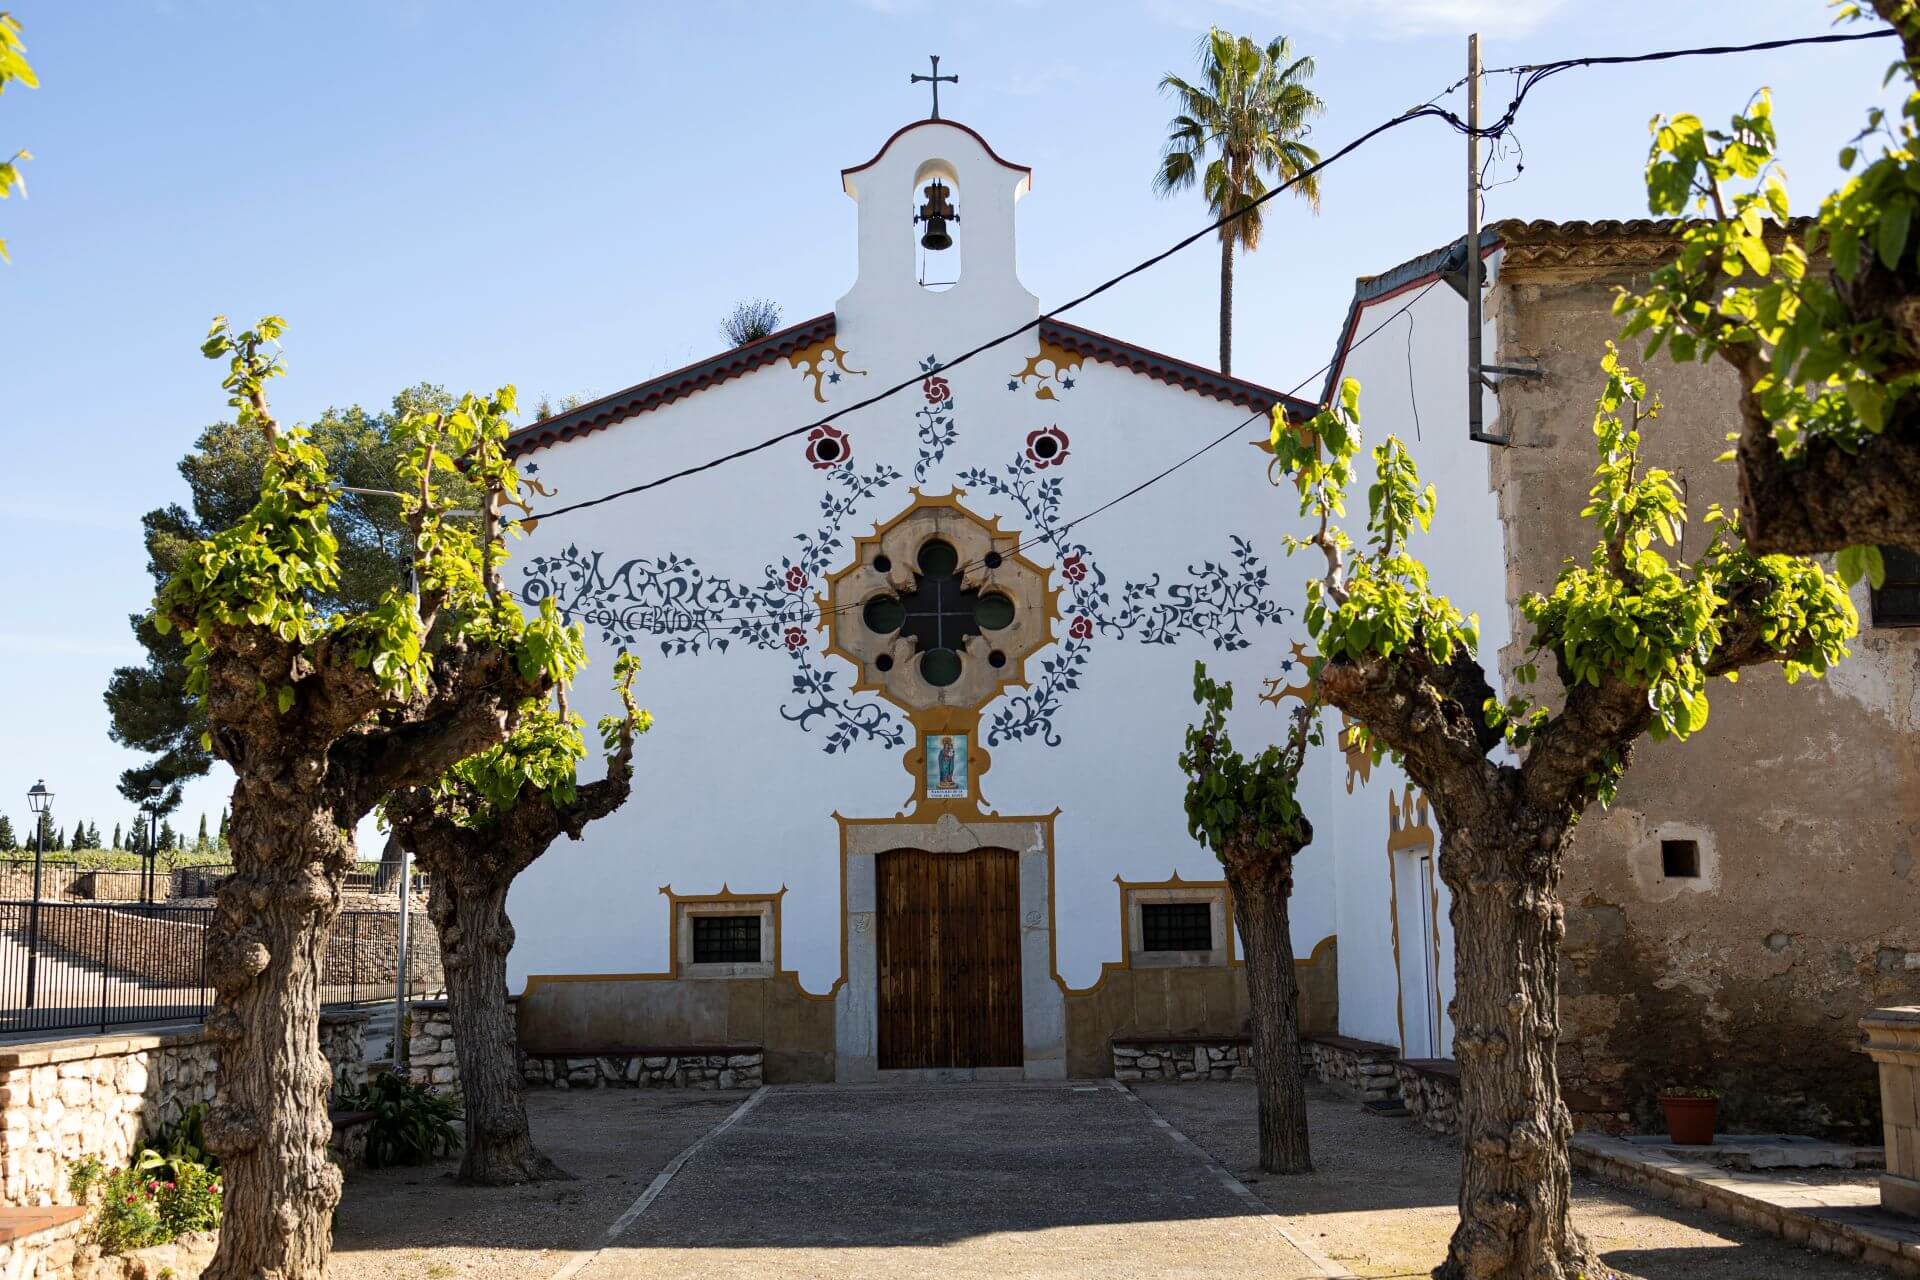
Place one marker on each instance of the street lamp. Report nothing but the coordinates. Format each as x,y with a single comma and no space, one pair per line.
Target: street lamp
39,799
150,856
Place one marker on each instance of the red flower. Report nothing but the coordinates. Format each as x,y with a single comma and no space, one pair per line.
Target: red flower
936,389
1047,447
1074,568
796,639
1081,629
796,578
828,447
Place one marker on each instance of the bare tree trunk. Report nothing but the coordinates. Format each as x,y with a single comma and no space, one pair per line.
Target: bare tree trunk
470,913
1262,881
1226,304
265,953
1515,1180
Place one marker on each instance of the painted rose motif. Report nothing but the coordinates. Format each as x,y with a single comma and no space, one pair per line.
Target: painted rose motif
937,390
828,447
1074,569
1081,629
796,578
796,639
1047,447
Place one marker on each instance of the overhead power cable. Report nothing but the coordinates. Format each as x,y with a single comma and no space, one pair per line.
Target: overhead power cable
1057,531
1530,77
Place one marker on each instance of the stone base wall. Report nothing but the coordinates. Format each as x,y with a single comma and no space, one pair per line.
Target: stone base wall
1893,1042
1357,1067
431,1059
101,1096
737,1067
1182,1060
1431,1092
46,1255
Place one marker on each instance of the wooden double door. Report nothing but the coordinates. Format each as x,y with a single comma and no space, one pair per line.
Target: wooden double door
949,947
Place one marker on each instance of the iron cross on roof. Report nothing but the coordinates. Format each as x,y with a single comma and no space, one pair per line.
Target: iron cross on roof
935,80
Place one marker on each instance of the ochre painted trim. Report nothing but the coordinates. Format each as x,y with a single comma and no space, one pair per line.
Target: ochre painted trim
1172,882
726,894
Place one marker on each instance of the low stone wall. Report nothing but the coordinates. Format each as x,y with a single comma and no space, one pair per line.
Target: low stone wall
739,1066
431,1059
41,1244
1361,1068
119,886
1150,1061
101,1096
165,949
1430,1090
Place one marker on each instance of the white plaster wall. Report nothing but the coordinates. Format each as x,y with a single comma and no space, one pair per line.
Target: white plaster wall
728,791
1418,360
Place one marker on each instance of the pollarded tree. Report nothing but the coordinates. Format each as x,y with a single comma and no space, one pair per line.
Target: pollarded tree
1827,353
1248,812
1634,637
320,715
481,825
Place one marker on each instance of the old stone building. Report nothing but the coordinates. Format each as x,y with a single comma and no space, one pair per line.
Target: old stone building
1751,892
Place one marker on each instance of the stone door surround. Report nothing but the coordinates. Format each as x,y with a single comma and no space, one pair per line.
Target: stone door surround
857,1007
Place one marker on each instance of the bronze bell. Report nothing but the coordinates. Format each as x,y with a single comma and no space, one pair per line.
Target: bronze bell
936,213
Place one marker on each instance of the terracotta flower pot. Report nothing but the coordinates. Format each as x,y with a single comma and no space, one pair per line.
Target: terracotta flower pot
1690,1121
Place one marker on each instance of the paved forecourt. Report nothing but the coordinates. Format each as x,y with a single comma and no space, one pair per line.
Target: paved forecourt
1000,1180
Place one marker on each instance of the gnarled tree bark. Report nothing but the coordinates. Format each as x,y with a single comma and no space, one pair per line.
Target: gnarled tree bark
1262,883
472,869
305,778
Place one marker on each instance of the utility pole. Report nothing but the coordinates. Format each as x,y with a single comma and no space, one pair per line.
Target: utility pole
1477,367
401,965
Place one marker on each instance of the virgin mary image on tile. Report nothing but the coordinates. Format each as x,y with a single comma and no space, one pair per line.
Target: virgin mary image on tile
946,766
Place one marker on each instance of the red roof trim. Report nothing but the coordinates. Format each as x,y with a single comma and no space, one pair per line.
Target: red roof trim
597,415
1165,368
921,124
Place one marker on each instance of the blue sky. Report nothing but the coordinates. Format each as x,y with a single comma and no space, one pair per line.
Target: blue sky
568,196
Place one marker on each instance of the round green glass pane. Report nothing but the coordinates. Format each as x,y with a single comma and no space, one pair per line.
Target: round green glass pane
884,614
993,611
940,667
938,559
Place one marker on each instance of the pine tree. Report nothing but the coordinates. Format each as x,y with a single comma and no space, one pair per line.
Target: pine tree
8,843
43,832
168,840
78,840
93,835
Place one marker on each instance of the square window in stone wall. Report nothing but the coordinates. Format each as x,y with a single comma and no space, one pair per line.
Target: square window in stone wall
1175,924
725,935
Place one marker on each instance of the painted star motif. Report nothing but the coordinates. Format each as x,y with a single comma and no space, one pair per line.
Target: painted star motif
532,468
1013,384
833,377
1067,382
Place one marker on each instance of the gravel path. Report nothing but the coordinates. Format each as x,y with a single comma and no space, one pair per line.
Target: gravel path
1381,1199
416,1224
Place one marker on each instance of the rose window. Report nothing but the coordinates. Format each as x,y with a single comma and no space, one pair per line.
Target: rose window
939,608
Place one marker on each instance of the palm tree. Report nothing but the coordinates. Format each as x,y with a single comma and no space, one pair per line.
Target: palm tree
1244,120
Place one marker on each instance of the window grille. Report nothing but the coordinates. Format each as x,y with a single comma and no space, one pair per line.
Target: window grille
726,939
1176,926
1897,601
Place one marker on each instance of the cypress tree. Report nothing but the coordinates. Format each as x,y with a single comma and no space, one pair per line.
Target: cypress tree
200,841
168,840
116,836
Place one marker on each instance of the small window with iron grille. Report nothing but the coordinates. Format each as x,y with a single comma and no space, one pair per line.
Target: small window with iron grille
1896,601
1176,926
726,939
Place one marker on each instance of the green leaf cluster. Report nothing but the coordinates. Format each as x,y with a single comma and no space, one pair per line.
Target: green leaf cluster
1631,614
1741,282
1230,798
273,570
14,69
1386,605
543,753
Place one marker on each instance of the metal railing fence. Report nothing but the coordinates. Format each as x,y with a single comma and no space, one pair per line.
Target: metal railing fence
71,965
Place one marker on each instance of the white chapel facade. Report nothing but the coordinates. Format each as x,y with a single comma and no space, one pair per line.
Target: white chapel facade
912,803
